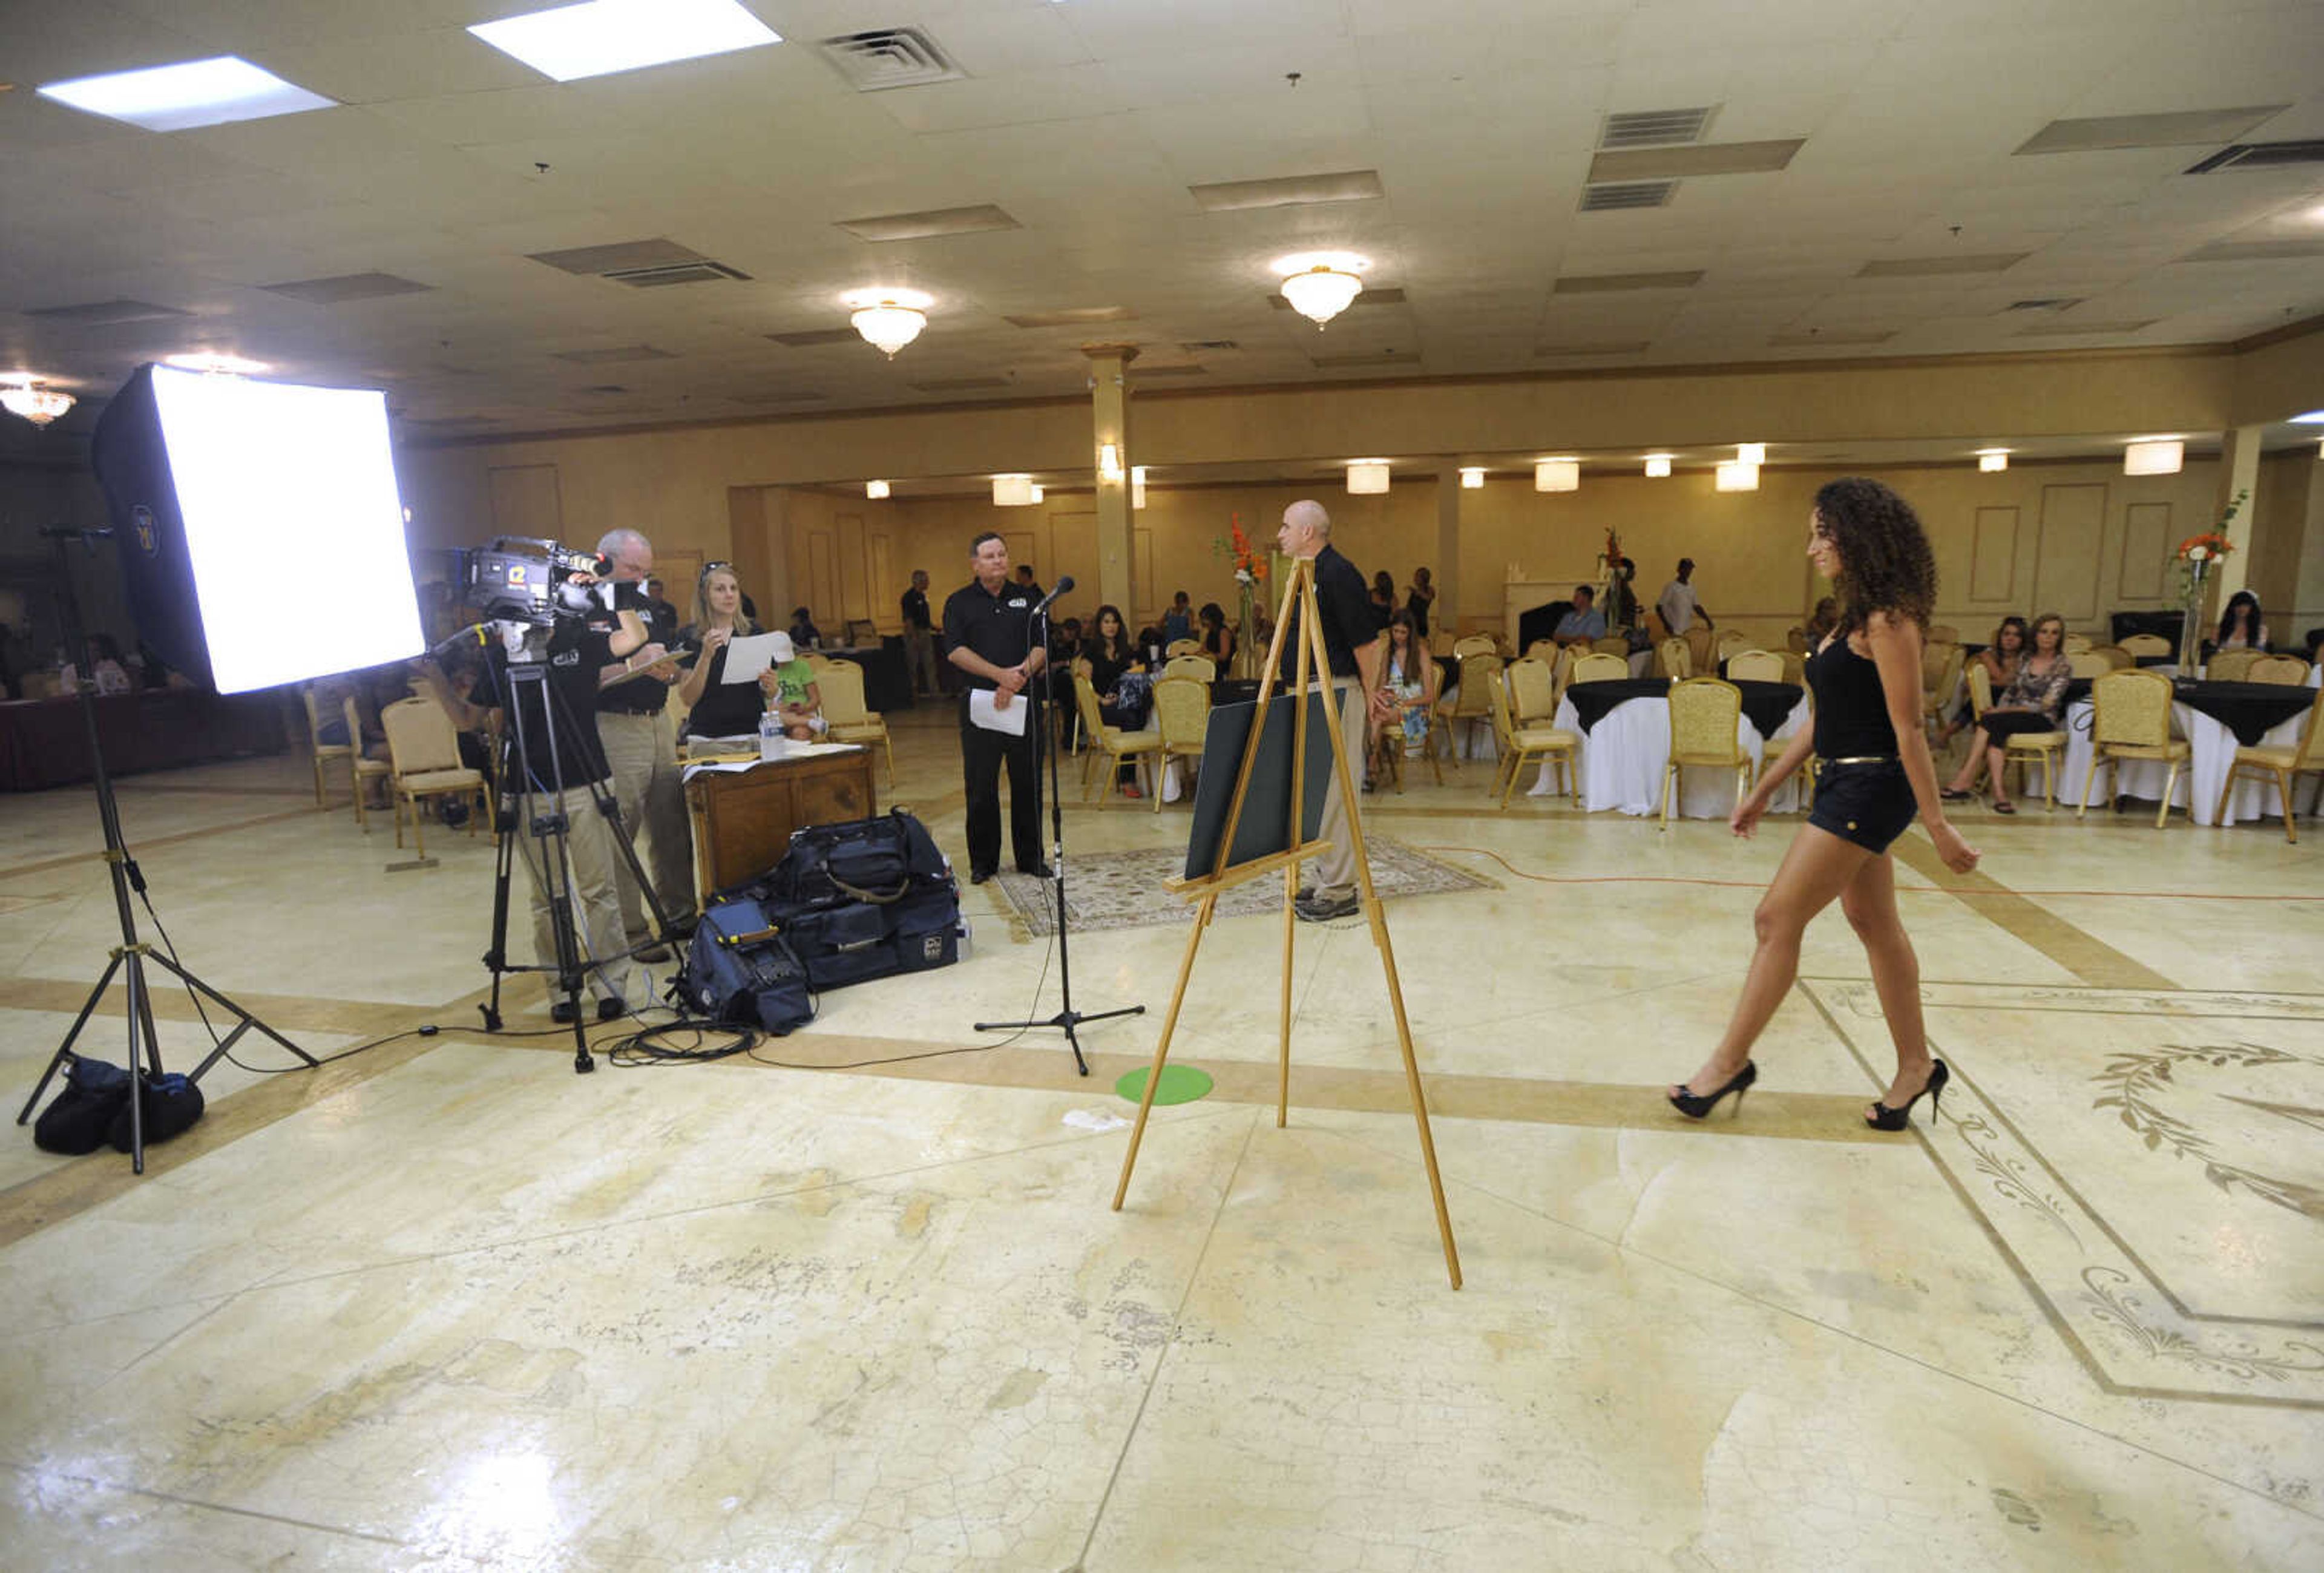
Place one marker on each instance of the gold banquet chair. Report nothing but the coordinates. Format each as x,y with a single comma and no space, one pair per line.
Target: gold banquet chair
1940,672
1520,744
351,749
1469,644
2229,666
2288,670
2140,644
846,716
1182,715
1772,748
368,769
2131,720
1196,668
1729,644
1675,659
2026,747
1599,667
2284,766
1116,744
2090,663
1755,666
1704,712
423,753
1178,647
1480,674
1533,692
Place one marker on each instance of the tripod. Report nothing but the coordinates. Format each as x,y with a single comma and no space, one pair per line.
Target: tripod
1044,739
132,953
516,814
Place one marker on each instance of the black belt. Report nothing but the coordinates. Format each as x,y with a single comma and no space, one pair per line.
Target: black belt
652,709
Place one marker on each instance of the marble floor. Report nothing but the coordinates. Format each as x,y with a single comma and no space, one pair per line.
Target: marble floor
859,1302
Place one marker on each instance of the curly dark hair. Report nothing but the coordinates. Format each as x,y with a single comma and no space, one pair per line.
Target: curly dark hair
1884,561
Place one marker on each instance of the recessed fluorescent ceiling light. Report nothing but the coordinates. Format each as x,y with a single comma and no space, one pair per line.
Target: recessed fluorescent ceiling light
191,92
603,36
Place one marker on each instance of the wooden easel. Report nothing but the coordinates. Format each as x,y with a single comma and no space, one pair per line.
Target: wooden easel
1207,889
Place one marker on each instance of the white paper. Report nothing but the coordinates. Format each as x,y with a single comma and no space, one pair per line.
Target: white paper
791,752
983,712
749,656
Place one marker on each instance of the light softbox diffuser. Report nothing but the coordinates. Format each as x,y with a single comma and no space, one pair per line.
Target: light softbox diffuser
260,533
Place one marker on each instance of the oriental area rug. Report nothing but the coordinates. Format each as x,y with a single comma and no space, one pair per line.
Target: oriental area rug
1124,890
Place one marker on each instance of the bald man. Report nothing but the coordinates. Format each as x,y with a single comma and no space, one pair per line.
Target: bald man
1351,647
640,737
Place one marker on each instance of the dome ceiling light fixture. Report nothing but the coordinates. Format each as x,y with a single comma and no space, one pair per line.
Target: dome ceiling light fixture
1658,467
1319,284
2153,456
888,319
1992,460
1012,490
24,396
1557,475
1753,453
1473,478
1367,478
875,490
1735,475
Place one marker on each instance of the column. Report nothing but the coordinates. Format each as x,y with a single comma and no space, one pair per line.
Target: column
1445,567
1117,556
2238,473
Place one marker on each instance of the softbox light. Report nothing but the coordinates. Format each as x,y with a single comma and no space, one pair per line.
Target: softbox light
260,533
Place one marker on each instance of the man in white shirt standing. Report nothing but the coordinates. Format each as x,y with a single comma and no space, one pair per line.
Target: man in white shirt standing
1678,605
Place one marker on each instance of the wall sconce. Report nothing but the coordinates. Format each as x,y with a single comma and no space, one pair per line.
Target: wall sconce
875,490
1658,467
1137,486
1473,479
1012,490
1754,454
2160,456
1368,476
1557,475
1736,477
1992,460
1108,461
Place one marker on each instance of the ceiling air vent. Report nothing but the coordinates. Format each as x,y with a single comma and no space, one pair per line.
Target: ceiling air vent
1654,127
106,313
1202,346
2262,155
889,57
1617,196
2049,303
692,272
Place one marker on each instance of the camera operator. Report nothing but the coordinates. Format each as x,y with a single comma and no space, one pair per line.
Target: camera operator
640,742
569,754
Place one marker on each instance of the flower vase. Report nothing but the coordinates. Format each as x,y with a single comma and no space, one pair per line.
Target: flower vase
2190,628
1247,654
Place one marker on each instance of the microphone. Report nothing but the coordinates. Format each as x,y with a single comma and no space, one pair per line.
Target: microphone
1064,583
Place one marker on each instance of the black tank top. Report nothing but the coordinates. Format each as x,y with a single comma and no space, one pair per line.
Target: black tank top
1851,713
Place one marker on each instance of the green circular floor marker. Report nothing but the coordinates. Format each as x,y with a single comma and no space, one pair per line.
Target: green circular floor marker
1181,1084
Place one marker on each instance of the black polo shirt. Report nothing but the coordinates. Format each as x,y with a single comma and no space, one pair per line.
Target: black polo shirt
998,627
1345,602
575,654
638,695
916,608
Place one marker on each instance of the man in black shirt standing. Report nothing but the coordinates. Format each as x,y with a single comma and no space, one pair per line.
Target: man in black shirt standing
919,637
1351,647
988,634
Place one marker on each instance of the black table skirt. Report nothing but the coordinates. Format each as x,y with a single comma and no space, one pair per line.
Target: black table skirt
43,745
1765,703
2249,710
887,677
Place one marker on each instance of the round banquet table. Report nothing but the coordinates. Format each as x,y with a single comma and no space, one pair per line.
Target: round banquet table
1622,753
2213,747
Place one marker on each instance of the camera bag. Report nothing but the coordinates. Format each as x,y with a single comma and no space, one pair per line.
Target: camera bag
172,1103
865,899
740,969
79,1118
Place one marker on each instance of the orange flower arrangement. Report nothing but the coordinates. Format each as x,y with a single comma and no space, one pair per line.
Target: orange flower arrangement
1249,568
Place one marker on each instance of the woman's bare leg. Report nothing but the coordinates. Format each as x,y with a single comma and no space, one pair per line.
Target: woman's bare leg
1996,759
1816,869
1979,744
1870,903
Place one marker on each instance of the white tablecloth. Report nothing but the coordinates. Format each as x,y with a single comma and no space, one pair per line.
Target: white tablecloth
1622,758
2214,749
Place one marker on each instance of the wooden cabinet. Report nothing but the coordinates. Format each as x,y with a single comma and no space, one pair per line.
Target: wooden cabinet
743,819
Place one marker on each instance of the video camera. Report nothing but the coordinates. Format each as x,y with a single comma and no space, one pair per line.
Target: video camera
521,580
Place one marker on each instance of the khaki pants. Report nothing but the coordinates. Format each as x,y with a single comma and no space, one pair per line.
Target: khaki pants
642,751
920,658
597,917
1334,873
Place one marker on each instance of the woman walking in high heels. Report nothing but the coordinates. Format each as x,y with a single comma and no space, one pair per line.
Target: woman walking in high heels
1873,774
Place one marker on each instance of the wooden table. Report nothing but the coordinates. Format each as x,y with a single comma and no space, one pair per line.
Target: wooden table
743,819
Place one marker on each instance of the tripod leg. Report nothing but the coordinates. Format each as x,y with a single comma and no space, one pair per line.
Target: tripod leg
248,1020
64,1050
1162,1046
136,1012
1412,1082
1290,926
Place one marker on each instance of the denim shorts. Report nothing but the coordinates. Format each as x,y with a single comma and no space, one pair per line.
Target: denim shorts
1868,803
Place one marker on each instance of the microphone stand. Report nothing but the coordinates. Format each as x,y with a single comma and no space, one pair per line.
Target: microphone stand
1068,1019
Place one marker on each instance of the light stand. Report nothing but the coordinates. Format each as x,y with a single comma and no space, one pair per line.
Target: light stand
132,953
1067,1019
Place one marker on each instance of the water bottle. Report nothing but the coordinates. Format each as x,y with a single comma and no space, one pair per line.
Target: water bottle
770,735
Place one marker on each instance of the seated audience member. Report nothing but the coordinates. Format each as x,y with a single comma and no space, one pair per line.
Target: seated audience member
787,687
1178,622
715,707
1119,673
2241,626
1582,620
1153,646
104,667
1407,682
804,634
1218,639
2000,661
2033,702
1826,617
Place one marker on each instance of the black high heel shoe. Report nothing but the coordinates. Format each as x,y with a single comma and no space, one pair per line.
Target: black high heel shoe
1698,1105
1883,1118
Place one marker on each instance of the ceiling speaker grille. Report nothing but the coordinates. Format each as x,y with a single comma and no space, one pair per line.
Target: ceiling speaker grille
889,57
1625,194
1654,127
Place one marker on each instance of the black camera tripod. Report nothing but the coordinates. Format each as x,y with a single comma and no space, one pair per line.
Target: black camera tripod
517,814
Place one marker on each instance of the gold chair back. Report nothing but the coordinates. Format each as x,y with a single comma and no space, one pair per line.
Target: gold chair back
1934,657
1600,667
2117,658
2131,707
1703,713
1182,713
1795,639
2228,666
2277,669
1533,690
1944,634
1542,650
2090,663
1678,661
1479,673
420,736
1177,647
1755,666
840,685
2140,644
1581,646
1729,643
1980,689
2311,746
1469,644
2073,642
1796,668
1086,699
1699,645
1196,668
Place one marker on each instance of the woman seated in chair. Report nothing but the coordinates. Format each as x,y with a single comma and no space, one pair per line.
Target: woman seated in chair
804,634
2032,703
1117,671
2000,659
2241,626
1218,639
1408,680
787,688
